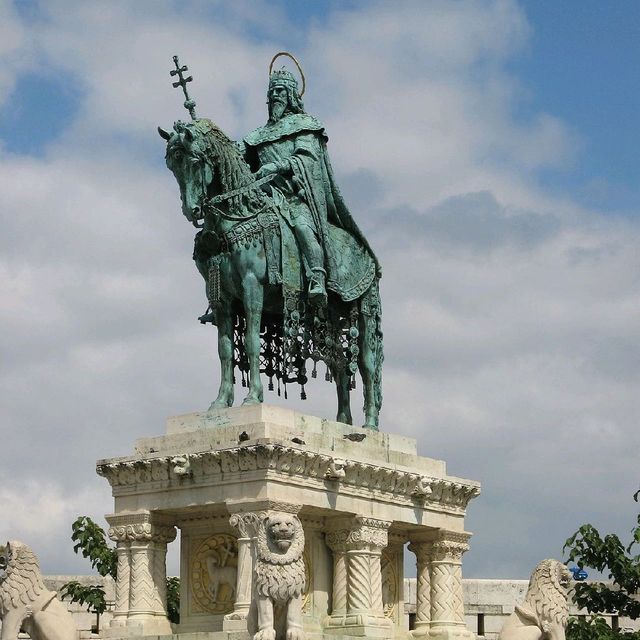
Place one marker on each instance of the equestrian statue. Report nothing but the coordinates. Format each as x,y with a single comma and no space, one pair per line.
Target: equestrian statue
290,279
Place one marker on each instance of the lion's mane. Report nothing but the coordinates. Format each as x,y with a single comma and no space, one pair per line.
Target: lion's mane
22,582
546,595
280,575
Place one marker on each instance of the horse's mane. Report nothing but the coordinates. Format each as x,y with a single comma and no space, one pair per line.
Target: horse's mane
232,168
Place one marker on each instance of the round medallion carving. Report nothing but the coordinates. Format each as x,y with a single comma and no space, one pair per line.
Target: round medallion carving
213,573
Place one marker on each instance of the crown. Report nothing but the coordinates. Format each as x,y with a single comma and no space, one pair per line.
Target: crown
282,76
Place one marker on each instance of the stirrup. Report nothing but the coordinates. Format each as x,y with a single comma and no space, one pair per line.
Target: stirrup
208,316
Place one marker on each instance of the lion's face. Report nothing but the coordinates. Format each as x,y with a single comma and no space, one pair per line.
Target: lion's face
564,576
281,530
5,551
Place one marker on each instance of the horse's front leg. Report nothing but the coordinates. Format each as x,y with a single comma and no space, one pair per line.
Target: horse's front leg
225,353
253,299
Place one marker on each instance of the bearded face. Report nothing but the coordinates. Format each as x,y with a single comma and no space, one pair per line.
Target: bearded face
278,102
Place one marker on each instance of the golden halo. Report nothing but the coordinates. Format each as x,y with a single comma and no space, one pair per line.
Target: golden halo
286,53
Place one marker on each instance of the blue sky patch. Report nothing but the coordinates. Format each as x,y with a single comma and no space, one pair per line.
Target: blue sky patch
38,110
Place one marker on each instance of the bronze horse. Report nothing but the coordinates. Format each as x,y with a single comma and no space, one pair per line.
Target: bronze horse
260,323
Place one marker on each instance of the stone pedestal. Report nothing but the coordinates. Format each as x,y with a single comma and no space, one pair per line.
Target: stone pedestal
356,497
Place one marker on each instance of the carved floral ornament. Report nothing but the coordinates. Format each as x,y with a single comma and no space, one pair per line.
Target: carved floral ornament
395,483
142,532
362,532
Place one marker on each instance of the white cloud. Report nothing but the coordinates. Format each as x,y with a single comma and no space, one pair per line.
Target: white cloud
40,514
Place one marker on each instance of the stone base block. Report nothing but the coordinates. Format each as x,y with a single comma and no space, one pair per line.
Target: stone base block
139,630
191,635
359,625
451,633
352,498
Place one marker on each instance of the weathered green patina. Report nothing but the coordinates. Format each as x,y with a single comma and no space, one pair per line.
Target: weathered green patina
290,279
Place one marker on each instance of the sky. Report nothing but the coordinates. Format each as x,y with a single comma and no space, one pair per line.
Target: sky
488,150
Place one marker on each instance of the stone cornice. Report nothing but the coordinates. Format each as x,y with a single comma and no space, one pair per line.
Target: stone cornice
386,482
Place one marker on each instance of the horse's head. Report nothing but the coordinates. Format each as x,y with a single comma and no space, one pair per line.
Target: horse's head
187,158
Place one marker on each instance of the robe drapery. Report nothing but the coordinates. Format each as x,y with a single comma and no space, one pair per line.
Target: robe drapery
298,142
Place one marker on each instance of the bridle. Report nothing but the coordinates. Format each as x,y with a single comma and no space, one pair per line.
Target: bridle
209,204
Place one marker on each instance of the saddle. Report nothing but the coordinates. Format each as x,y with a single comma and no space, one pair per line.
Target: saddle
353,273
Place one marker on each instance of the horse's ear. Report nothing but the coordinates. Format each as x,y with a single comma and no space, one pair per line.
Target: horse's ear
165,134
188,134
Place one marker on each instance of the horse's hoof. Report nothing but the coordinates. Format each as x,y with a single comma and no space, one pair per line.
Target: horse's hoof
371,423
220,404
344,418
249,400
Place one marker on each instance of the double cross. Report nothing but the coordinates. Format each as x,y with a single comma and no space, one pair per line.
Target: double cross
189,104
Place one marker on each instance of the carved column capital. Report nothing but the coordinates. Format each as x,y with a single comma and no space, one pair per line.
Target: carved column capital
368,532
246,524
140,527
450,546
422,548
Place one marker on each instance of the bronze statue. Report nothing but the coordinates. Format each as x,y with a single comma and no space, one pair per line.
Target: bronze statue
289,276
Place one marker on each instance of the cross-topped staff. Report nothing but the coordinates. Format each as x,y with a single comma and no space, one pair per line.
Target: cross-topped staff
189,104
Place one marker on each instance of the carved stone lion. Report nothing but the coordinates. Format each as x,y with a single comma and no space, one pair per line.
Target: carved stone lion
280,575
25,603
545,609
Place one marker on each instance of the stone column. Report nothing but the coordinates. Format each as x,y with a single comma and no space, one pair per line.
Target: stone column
357,545
337,542
393,580
141,597
121,610
423,551
447,605
246,525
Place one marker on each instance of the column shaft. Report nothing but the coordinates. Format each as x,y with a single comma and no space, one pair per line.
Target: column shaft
339,599
423,552
121,610
447,605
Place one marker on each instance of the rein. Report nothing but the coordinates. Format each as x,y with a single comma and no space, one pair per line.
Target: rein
210,203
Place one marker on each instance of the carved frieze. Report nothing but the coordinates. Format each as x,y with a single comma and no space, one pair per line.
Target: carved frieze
212,466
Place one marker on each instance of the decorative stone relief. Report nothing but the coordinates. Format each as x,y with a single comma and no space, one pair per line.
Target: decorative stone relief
390,583
213,573
394,484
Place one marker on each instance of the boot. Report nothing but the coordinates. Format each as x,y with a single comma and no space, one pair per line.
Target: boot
317,290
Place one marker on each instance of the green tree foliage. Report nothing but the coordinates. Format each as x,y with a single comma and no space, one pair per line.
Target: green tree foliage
596,628
91,541
173,599
587,548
